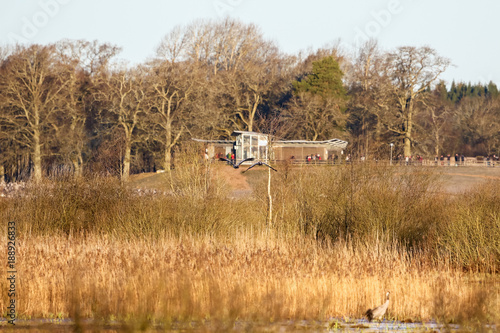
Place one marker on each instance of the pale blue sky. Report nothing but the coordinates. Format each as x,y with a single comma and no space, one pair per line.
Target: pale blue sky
467,32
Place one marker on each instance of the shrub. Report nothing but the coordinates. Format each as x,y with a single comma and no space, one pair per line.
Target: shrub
472,234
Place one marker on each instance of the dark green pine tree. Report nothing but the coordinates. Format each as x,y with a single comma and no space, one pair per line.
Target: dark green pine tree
453,94
480,89
462,91
442,91
469,91
325,80
492,90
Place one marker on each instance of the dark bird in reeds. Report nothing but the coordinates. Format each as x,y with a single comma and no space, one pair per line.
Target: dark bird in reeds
260,163
379,311
236,165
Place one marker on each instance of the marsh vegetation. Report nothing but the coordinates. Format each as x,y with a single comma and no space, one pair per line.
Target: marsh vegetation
92,248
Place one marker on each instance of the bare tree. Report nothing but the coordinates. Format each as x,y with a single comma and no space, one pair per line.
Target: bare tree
171,88
126,99
173,47
369,88
242,69
85,62
31,86
434,122
412,71
478,121
315,118
4,135
249,87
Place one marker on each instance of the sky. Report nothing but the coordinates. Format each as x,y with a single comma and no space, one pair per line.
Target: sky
464,31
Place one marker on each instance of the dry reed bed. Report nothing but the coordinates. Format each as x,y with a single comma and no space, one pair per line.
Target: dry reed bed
92,248
254,277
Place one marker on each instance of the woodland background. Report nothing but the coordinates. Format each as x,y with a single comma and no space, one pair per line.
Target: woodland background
73,106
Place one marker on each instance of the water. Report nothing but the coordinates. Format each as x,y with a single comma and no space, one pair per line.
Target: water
333,325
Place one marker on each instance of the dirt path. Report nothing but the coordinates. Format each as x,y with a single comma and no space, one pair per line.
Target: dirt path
237,181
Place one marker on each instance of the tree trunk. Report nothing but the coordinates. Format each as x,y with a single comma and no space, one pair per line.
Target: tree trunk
253,112
407,145
436,131
2,174
436,147
250,125
365,133
37,156
408,133
77,165
168,144
168,158
126,160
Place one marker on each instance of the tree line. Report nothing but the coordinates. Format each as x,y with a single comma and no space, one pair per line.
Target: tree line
74,106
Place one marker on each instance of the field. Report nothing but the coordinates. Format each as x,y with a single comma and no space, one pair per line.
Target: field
452,179
193,249
461,179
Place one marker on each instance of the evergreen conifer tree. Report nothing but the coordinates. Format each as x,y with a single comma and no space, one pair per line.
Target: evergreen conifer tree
442,91
325,80
453,95
492,90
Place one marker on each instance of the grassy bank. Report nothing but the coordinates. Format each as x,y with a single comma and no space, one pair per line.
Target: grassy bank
340,237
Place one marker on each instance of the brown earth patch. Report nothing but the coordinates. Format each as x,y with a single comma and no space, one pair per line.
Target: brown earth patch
235,178
240,188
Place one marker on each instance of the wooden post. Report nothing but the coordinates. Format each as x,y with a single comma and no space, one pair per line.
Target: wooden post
270,198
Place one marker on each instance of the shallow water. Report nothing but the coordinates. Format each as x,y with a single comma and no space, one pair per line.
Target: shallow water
333,325
365,326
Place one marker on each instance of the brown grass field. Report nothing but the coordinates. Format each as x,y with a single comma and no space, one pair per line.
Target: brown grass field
202,257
